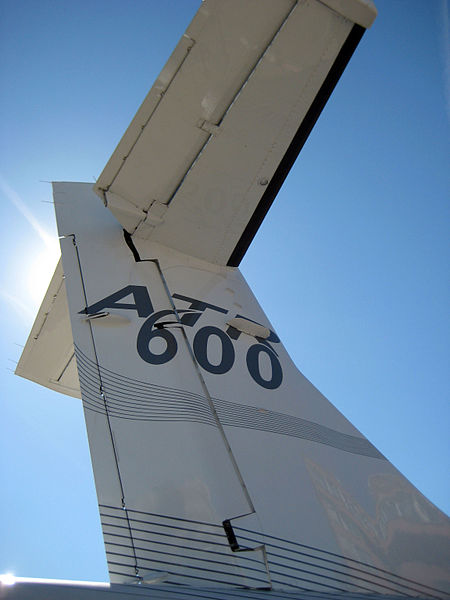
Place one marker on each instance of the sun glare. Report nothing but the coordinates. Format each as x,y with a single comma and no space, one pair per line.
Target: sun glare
7,579
41,270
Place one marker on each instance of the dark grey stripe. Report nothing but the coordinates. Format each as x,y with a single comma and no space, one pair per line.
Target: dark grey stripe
139,400
174,545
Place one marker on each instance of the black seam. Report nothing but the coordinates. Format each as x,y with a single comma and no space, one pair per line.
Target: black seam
131,246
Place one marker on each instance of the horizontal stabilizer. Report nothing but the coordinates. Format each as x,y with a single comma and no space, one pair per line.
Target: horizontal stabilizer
208,150
48,357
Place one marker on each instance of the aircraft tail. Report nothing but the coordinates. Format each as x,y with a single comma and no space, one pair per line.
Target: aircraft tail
216,462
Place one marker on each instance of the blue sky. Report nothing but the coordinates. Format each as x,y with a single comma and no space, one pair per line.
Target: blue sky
351,264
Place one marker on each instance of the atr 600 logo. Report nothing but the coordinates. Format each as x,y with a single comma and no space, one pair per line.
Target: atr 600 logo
156,328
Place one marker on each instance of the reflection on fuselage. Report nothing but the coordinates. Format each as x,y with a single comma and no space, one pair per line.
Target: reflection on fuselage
406,534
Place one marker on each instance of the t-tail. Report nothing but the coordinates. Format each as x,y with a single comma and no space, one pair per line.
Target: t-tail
217,463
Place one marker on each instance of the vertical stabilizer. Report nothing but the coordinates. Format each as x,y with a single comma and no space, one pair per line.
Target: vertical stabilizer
216,461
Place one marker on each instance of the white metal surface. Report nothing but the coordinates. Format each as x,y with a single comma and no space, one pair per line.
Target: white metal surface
362,12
